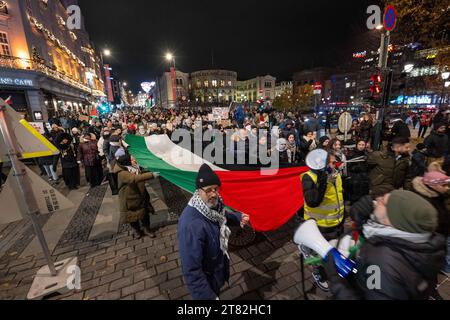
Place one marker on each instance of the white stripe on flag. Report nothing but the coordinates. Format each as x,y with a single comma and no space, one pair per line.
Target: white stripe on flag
176,156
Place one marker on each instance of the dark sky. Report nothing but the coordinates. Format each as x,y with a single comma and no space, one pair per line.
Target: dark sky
252,37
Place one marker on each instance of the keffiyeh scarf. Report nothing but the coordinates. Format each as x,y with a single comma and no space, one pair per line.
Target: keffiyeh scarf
133,169
215,215
373,229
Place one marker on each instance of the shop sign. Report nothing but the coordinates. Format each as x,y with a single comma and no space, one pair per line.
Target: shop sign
16,82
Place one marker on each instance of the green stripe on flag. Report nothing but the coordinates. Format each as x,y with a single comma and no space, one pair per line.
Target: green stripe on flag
146,159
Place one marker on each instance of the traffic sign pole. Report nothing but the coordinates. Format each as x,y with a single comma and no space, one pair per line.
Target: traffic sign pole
390,20
26,191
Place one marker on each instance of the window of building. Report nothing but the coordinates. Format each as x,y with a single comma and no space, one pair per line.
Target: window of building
206,83
222,83
214,83
230,83
3,7
198,84
179,82
43,3
73,36
268,85
4,45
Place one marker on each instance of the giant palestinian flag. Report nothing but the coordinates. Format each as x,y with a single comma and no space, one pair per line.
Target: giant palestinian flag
270,199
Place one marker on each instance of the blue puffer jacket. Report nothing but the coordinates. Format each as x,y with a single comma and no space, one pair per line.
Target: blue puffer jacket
205,267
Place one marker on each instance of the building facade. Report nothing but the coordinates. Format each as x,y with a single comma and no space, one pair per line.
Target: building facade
284,86
167,97
259,88
44,66
210,86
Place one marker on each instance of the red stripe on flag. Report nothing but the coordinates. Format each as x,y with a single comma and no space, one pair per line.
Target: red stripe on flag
270,200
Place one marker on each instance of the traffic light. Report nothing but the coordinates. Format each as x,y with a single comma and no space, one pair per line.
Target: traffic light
375,87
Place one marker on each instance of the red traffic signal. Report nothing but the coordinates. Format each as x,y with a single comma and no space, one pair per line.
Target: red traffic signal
376,78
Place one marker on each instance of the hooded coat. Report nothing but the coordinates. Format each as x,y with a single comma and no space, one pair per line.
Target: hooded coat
438,201
437,144
407,270
134,200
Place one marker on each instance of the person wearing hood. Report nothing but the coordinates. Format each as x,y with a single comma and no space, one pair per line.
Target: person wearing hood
308,143
358,173
437,144
290,129
76,137
400,246
323,142
134,198
281,147
203,233
292,150
324,202
434,187
69,164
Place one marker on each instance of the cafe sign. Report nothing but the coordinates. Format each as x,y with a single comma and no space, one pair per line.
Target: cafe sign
16,82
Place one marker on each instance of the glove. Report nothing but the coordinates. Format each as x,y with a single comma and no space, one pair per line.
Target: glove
322,177
361,211
330,268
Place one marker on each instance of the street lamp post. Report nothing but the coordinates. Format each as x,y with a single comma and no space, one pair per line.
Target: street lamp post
171,58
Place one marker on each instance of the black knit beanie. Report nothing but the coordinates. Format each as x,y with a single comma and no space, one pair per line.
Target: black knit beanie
206,177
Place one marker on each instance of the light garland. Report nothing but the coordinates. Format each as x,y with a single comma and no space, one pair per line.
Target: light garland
53,38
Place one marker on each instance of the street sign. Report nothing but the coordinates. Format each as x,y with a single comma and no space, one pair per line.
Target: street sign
390,18
48,198
31,144
345,122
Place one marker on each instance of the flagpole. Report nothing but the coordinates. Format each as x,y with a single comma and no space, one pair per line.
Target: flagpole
25,190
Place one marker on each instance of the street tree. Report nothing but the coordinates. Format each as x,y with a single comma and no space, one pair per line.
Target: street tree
425,21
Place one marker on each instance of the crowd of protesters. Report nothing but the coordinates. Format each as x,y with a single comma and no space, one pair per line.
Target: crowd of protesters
99,146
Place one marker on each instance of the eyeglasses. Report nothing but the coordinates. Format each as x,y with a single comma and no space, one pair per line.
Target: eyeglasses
210,190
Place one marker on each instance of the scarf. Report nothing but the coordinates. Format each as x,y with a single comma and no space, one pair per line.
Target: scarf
373,229
313,145
215,215
133,170
291,151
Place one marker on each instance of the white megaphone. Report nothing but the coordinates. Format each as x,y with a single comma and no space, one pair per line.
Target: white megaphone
308,234
317,159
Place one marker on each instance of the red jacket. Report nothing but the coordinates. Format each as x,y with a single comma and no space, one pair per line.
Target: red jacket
88,153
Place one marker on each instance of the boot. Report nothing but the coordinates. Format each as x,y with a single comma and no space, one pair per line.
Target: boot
149,233
137,231
138,234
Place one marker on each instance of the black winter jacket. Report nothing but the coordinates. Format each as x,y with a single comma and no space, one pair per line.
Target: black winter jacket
408,271
437,144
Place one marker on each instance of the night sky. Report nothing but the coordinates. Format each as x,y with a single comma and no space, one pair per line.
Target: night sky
252,37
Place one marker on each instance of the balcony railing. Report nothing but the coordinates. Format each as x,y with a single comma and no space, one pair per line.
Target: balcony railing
27,64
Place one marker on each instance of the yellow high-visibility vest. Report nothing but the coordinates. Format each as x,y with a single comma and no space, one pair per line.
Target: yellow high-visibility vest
330,212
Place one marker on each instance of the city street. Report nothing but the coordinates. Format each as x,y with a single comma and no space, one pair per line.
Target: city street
241,150
116,266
